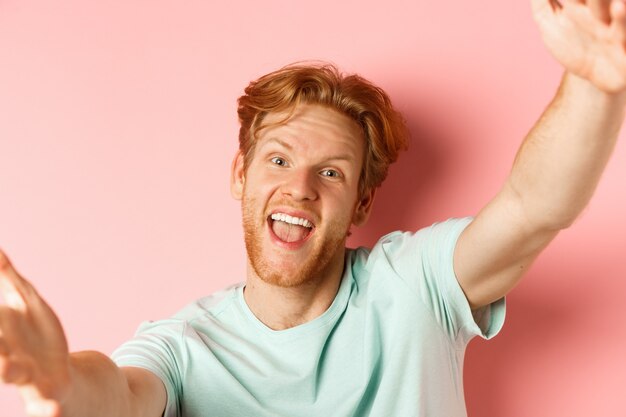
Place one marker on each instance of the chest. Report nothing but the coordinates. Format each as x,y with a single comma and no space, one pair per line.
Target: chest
376,354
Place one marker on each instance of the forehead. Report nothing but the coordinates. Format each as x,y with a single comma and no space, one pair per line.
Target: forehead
313,128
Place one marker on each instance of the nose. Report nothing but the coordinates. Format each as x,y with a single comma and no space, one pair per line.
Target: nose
300,185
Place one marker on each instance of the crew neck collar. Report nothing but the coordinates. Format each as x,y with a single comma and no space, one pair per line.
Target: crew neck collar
327,317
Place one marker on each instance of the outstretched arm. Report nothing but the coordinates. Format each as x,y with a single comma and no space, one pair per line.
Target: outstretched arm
54,383
560,162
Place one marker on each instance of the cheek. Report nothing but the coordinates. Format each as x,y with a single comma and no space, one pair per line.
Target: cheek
258,193
256,182
341,210
259,189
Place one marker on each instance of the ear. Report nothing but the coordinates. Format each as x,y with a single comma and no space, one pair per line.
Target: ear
364,207
237,176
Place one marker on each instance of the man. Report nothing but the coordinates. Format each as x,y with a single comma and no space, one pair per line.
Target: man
318,329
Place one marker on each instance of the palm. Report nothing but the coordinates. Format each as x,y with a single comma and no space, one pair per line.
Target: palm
588,39
40,344
33,348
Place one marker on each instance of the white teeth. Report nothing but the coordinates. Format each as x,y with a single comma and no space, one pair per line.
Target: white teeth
291,220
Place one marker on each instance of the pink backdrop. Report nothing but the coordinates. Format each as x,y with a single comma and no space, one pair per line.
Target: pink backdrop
118,124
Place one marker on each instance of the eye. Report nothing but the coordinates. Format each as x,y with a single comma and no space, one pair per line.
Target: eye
277,160
330,173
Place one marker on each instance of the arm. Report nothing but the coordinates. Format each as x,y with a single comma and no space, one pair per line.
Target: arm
561,160
100,388
53,383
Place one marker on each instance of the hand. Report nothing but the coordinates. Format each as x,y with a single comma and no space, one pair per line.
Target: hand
588,37
33,349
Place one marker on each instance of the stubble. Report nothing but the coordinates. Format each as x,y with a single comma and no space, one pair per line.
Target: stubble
287,273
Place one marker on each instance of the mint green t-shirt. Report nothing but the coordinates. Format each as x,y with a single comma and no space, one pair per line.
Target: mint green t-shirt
391,344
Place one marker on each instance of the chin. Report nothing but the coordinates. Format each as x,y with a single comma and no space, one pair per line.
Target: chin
285,281
319,258
286,275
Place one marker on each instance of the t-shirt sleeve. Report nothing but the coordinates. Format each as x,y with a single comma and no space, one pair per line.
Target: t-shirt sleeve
157,347
424,260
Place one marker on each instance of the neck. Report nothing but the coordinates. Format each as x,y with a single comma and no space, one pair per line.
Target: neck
281,308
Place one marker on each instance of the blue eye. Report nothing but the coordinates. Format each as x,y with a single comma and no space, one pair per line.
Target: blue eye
278,161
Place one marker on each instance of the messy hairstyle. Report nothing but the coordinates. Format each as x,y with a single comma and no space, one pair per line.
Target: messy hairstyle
369,106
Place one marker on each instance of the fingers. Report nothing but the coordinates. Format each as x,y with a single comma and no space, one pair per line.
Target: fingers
555,5
600,9
43,408
545,10
4,350
14,289
618,21
14,367
541,6
14,371
12,325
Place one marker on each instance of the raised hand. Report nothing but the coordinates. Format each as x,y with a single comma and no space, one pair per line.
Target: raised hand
33,349
588,37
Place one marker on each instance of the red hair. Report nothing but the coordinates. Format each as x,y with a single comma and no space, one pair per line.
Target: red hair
383,127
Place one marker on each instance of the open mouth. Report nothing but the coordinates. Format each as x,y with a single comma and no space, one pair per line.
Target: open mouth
290,229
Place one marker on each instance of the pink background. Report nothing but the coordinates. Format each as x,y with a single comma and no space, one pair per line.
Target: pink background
118,125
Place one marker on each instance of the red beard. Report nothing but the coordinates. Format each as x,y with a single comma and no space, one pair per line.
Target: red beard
325,246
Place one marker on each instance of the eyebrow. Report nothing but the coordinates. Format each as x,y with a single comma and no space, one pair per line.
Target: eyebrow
290,147
280,142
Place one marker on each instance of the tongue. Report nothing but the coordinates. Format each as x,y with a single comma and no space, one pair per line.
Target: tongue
289,232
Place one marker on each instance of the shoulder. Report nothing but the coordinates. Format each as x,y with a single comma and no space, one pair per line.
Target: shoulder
212,305
400,244
449,228
175,329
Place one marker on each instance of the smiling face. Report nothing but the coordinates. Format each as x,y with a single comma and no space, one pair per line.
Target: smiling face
300,195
